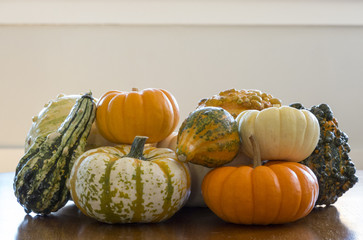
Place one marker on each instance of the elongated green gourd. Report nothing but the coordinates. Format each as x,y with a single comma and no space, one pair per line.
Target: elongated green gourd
41,174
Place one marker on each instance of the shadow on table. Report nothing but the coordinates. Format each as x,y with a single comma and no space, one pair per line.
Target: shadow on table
188,223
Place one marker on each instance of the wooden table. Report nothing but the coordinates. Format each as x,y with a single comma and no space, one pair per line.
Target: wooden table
344,220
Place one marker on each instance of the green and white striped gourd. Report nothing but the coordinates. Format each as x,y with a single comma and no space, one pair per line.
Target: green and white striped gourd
125,184
41,174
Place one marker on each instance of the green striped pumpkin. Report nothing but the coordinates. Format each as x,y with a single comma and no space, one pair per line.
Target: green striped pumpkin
208,137
41,174
125,184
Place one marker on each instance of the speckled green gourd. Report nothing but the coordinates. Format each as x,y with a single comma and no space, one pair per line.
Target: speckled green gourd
208,137
129,184
41,174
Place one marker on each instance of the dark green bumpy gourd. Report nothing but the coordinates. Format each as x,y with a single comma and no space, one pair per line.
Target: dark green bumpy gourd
330,160
41,174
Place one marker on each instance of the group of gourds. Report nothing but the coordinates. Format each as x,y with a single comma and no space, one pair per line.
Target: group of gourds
120,159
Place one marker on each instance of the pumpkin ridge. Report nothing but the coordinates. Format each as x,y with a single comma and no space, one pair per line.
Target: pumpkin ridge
301,173
112,128
175,108
101,119
137,204
166,113
301,194
72,181
297,213
115,123
281,173
106,193
295,146
169,190
207,193
151,96
224,186
307,125
145,119
259,195
121,149
243,215
223,176
122,115
291,141
141,117
297,124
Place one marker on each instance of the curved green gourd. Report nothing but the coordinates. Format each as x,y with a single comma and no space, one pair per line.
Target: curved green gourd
41,174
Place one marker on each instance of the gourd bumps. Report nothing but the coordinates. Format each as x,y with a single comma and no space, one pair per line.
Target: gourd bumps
236,101
330,160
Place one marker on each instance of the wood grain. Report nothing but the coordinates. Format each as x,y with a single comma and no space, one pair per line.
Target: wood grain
341,221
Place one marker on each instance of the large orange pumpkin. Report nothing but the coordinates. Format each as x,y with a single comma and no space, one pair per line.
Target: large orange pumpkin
278,192
123,115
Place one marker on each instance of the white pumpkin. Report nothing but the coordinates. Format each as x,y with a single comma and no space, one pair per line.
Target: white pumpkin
283,133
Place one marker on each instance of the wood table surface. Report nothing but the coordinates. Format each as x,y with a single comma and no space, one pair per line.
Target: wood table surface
343,220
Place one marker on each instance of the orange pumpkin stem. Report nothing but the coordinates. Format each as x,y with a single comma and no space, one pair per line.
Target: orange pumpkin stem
256,152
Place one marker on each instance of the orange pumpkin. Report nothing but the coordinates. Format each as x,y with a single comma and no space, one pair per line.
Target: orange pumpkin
123,115
275,193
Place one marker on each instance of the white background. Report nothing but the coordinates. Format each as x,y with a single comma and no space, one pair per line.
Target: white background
299,51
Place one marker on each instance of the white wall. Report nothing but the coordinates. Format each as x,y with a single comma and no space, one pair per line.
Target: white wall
307,64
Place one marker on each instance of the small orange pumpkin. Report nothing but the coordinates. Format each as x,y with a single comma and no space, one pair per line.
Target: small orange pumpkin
275,193
123,115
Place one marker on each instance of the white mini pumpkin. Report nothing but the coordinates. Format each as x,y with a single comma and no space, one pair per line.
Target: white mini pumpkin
283,133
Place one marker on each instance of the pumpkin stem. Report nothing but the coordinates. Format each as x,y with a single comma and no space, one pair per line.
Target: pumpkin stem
135,89
137,148
256,152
